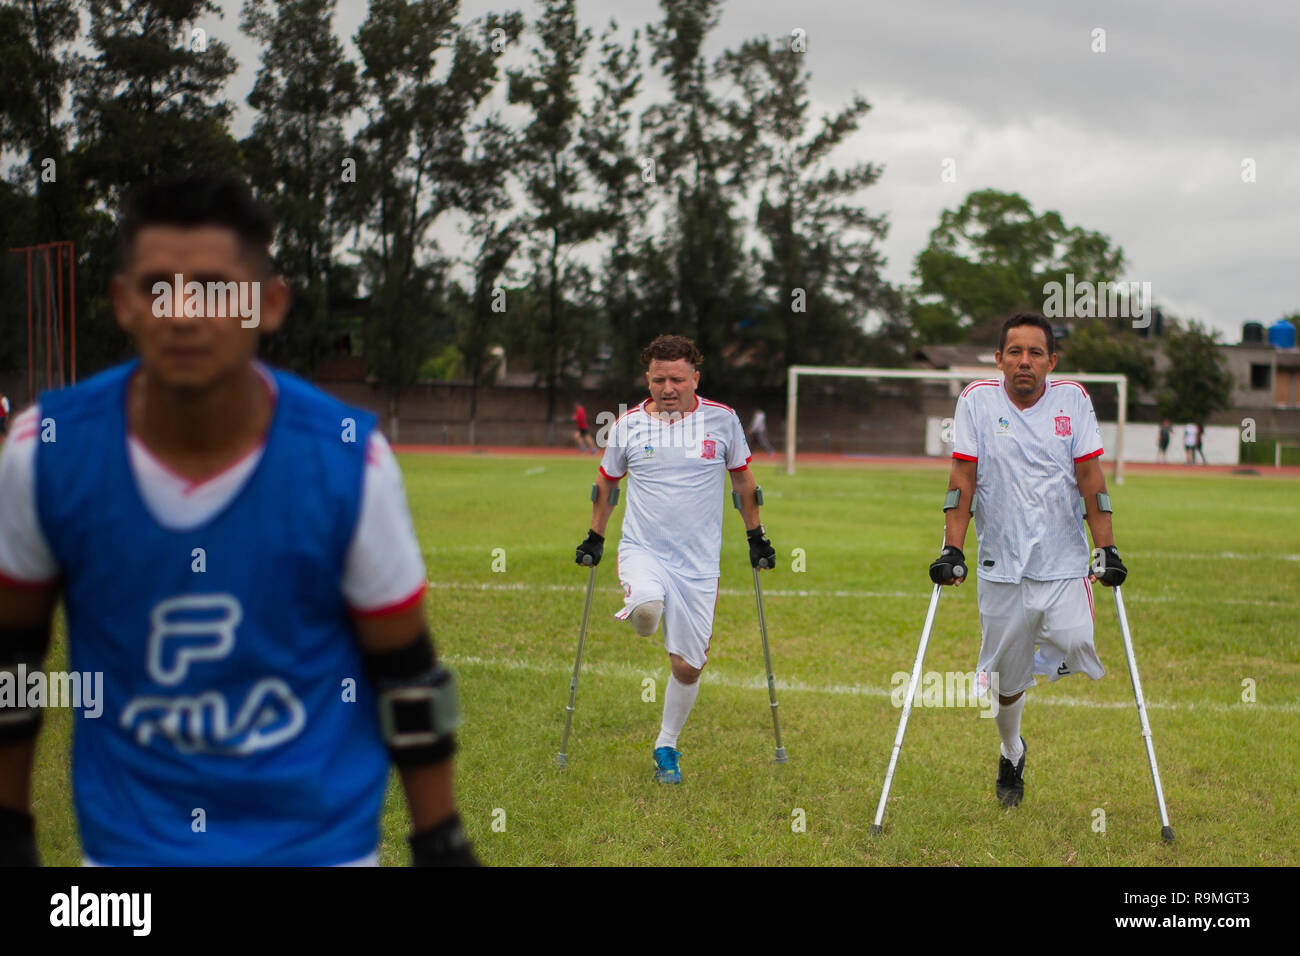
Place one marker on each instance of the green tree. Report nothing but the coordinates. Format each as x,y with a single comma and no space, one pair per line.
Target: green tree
609,152
1197,382
412,168
481,314
819,261
550,169
304,93
700,167
993,256
1093,348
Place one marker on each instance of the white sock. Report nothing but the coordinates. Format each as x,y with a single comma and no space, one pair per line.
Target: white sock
679,698
1008,721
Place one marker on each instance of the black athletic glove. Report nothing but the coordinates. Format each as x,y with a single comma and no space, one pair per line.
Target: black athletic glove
1108,567
443,845
761,552
17,839
589,552
949,566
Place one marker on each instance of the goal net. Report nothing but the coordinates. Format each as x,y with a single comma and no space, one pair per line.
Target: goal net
883,412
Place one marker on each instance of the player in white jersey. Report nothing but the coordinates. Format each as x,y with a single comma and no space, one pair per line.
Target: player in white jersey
674,447
1025,450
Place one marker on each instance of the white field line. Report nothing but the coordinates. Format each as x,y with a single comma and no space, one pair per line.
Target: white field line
525,587
759,682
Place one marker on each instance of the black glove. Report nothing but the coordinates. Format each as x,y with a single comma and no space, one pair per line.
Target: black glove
1108,567
17,839
761,552
589,552
443,845
949,566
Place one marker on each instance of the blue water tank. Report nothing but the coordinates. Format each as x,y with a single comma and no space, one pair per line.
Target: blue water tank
1281,335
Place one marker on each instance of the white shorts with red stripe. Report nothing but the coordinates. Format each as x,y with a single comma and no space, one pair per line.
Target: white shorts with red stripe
689,603
1036,627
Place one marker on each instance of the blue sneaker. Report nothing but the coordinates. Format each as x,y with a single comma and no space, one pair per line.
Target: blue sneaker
666,770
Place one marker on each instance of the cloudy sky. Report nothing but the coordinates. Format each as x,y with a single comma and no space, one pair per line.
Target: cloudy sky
1144,142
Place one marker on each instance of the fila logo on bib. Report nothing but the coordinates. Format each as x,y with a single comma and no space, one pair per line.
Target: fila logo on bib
1063,426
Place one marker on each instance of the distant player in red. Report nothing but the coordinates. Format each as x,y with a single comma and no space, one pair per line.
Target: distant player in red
580,433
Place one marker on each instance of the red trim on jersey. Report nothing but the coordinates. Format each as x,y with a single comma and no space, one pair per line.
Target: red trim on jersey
21,585
962,457
1068,381
709,401
742,467
405,604
608,477
966,391
23,435
1086,457
636,408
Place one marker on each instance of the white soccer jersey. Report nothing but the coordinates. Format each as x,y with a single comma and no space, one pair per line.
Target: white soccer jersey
674,494
384,569
1027,515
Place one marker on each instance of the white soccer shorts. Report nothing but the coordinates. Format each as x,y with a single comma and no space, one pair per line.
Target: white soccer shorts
689,603
1036,627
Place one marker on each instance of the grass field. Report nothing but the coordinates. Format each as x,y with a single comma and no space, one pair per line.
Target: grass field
1213,600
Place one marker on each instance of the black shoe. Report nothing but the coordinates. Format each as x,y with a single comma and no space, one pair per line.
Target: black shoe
1011,779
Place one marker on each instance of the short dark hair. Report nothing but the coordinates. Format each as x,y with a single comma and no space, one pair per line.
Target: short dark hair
669,348
1028,318
196,199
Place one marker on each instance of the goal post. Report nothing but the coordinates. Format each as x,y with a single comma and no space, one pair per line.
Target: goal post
795,372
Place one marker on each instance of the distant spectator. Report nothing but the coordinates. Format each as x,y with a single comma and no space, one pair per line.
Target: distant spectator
758,431
1200,434
580,433
1166,429
1189,441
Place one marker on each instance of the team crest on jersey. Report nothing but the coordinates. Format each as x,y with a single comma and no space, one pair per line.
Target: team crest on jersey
1063,426
708,448
649,451
1003,426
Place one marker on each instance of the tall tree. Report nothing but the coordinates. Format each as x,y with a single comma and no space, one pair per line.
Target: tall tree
549,166
413,167
609,152
701,168
298,160
149,97
486,200
993,256
1197,382
820,261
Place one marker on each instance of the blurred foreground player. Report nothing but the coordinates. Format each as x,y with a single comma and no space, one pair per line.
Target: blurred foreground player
1027,450
674,446
235,556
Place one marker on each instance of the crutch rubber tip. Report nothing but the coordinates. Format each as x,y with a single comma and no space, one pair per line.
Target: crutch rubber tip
1167,834
780,755
562,760
586,560
876,829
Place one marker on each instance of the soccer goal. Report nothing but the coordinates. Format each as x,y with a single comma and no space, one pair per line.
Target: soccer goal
955,380
40,284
